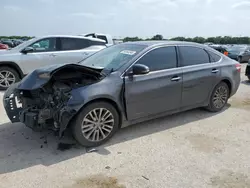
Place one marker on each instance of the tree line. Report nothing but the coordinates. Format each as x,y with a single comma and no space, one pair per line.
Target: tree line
215,40
15,37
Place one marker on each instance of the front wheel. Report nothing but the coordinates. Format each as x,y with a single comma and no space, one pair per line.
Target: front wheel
219,97
8,76
96,124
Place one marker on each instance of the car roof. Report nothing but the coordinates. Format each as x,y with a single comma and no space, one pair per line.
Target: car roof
165,42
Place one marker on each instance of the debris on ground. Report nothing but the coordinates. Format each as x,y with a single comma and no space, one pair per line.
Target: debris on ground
42,137
90,150
145,177
107,167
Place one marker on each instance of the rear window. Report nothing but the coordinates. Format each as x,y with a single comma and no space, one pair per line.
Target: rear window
93,43
214,57
102,37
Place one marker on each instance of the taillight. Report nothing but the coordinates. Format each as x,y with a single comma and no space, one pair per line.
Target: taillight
238,67
226,53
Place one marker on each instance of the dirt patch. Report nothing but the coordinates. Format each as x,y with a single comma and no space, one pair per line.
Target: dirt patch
97,181
229,179
243,103
206,144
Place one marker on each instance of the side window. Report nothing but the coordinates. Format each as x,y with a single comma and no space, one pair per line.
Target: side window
160,59
74,44
214,57
193,56
44,45
102,37
93,43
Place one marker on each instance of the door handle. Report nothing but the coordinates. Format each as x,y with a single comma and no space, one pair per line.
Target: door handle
53,55
175,78
85,53
215,70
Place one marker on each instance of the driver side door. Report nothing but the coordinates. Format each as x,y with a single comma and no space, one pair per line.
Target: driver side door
158,91
44,54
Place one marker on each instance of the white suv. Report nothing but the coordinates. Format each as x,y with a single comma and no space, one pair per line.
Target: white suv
38,52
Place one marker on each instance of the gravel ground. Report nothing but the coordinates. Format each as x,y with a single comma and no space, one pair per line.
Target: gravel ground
190,149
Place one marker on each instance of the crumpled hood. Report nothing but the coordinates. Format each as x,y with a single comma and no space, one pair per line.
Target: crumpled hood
33,81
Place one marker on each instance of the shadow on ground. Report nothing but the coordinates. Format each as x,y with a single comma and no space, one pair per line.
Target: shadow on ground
246,82
21,148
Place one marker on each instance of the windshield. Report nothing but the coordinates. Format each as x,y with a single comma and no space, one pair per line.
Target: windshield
112,58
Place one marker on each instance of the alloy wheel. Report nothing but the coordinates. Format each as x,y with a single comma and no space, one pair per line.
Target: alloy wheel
97,124
220,97
6,78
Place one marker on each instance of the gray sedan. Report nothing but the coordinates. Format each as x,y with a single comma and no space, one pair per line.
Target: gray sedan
239,53
122,85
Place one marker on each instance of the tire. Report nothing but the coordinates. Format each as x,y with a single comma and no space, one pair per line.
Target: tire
221,89
248,78
86,138
12,75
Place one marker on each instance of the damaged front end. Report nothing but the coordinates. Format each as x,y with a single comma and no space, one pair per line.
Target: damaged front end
40,100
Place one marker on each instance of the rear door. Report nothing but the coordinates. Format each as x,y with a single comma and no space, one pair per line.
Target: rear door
201,72
159,90
71,50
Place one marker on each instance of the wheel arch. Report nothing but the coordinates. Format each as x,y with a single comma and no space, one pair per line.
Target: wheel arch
110,101
13,66
229,84
101,99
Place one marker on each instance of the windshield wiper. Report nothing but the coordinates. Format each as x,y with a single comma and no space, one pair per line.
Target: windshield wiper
106,72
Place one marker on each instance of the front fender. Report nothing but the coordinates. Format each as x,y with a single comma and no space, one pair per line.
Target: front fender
81,96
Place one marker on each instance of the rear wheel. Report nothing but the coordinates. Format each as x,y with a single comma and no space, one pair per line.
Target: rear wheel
8,76
219,97
96,124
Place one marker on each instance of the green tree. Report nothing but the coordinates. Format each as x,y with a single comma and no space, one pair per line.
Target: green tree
157,37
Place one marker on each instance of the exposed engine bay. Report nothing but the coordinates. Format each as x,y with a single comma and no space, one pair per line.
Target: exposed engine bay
46,107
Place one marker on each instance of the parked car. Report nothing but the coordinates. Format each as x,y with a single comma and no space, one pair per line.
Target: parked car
3,46
220,48
121,85
208,43
106,37
8,42
16,42
42,51
248,70
239,53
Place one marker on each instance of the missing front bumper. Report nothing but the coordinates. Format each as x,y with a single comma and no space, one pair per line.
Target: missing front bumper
12,104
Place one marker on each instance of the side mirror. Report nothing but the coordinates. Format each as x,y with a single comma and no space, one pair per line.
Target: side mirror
27,50
139,69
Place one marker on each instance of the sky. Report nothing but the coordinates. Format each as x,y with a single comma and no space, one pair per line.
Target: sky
120,18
